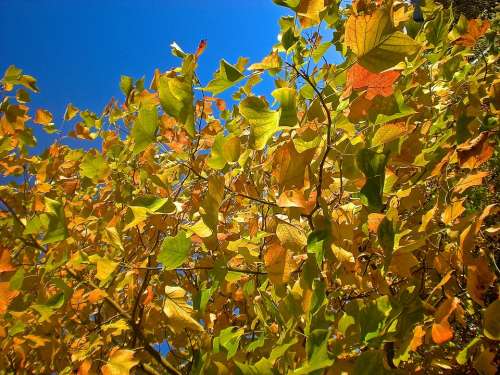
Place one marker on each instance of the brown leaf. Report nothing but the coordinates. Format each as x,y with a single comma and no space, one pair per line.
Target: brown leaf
479,278
279,263
475,152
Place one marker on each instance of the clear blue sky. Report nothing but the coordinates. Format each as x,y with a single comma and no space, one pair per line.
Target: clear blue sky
77,49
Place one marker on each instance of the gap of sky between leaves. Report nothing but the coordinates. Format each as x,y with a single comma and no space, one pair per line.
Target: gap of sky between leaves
78,49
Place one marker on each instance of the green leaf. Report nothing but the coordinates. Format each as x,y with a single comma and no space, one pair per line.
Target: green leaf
57,230
373,39
176,98
292,4
464,355
262,367
320,50
175,250
263,121
227,76
371,363
229,339
372,318
390,51
317,352
94,166
286,96
144,129
224,150
126,84
316,244
372,164
492,321
386,237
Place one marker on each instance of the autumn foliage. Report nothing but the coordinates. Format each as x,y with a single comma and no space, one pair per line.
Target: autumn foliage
346,223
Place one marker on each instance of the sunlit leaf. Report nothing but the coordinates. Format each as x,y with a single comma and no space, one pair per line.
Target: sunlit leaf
227,76
178,311
120,362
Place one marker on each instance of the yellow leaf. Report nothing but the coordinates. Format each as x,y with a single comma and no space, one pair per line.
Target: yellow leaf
200,228
427,217
178,311
343,256
120,362
43,117
374,220
309,10
373,39
389,132
71,112
38,341
105,266
291,237
452,212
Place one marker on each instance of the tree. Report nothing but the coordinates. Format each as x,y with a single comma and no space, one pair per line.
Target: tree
346,223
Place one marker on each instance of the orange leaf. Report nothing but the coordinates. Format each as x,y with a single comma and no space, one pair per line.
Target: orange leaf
418,335
201,47
473,153
376,83
441,329
452,212
5,264
43,117
149,296
474,32
96,295
468,181
84,367
374,221
6,296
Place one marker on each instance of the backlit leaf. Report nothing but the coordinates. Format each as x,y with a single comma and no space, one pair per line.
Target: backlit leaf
174,250
263,121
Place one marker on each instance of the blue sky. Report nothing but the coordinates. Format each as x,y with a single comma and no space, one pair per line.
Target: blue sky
78,49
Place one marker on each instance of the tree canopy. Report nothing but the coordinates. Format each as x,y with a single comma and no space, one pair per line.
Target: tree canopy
345,223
